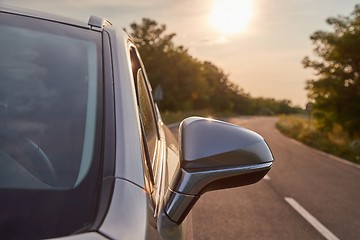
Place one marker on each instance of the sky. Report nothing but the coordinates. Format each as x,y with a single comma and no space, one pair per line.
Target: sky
260,46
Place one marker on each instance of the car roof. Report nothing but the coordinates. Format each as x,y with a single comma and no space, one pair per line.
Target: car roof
42,15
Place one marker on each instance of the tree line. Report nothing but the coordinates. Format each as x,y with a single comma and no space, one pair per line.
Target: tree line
335,89
190,84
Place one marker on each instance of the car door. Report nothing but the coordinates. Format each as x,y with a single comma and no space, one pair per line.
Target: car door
159,145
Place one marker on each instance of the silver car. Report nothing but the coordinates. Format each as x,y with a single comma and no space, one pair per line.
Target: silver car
84,153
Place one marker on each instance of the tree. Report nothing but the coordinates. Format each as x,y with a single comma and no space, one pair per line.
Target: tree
222,93
335,91
170,66
188,83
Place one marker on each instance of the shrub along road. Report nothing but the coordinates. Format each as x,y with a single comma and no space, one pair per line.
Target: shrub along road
306,195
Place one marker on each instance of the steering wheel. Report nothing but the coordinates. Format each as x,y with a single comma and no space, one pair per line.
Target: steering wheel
28,154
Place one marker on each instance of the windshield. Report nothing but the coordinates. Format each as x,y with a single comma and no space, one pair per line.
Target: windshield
47,108
50,103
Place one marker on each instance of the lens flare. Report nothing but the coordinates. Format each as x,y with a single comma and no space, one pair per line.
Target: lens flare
231,16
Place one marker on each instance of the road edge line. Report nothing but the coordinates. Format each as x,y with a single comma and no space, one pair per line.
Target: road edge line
311,219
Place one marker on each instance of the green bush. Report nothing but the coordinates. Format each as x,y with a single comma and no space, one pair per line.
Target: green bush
336,141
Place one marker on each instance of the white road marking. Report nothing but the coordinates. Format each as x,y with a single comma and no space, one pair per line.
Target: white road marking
311,219
267,177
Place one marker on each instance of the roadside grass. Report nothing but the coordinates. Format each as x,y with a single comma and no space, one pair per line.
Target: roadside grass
337,142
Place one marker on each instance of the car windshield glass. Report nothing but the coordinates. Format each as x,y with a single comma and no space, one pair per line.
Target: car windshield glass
50,127
48,86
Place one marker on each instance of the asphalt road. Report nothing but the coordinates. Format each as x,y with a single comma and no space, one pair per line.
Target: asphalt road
324,187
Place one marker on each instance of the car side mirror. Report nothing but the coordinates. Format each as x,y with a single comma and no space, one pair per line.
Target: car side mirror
214,155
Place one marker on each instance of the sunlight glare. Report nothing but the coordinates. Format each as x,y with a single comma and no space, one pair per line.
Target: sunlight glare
231,16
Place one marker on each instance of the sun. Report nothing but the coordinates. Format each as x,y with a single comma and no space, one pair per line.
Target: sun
231,16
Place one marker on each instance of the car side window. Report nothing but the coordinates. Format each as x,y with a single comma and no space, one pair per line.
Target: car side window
146,109
147,115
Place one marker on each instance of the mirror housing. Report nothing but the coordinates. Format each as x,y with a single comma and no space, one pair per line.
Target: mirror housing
214,155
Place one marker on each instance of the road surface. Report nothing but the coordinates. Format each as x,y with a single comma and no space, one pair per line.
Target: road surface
306,195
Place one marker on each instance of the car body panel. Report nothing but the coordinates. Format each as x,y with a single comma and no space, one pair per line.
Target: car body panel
128,146
43,16
124,221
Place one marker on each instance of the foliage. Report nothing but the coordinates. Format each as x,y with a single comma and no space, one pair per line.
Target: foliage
176,117
270,106
335,141
190,84
336,89
170,66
